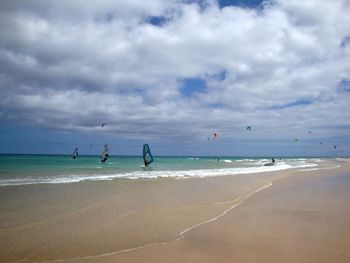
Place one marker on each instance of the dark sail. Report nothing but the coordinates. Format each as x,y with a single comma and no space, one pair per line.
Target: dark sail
147,156
104,155
75,153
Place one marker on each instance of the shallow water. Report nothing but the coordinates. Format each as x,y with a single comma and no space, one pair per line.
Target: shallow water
53,169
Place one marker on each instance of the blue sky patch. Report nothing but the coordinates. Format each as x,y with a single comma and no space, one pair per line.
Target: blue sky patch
301,102
241,3
192,85
156,20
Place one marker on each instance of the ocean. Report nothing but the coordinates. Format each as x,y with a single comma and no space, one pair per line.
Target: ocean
60,169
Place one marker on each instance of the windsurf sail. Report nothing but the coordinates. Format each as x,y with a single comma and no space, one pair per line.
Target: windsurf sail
147,156
104,155
75,153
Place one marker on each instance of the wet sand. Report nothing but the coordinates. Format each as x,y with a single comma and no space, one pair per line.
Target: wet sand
302,218
49,222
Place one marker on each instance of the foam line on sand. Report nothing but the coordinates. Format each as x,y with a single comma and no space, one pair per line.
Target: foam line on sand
180,236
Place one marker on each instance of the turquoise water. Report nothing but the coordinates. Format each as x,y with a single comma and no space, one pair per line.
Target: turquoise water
34,169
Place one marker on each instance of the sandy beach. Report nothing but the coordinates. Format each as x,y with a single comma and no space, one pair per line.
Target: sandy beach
299,219
302,217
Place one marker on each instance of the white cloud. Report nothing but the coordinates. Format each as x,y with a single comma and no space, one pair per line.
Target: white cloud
71,65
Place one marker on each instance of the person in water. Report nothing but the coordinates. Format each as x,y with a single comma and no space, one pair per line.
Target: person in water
146,163
273,160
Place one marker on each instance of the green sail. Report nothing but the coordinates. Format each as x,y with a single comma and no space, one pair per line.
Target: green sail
147,156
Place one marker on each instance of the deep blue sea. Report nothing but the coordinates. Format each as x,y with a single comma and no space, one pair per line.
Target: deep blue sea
54,169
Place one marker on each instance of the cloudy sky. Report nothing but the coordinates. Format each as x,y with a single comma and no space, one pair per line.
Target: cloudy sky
172,72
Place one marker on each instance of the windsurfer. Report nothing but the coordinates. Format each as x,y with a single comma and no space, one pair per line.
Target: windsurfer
146,163
104,155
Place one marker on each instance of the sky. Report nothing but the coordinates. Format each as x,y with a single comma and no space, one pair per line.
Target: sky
171,73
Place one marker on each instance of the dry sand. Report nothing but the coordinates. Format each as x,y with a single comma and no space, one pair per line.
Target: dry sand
302,218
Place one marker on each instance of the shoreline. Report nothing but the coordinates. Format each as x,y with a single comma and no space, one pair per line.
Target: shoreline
180,235
151,252
197,204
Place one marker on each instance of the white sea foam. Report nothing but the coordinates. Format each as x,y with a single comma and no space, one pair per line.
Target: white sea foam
320,168
225,212
56,179
151,174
